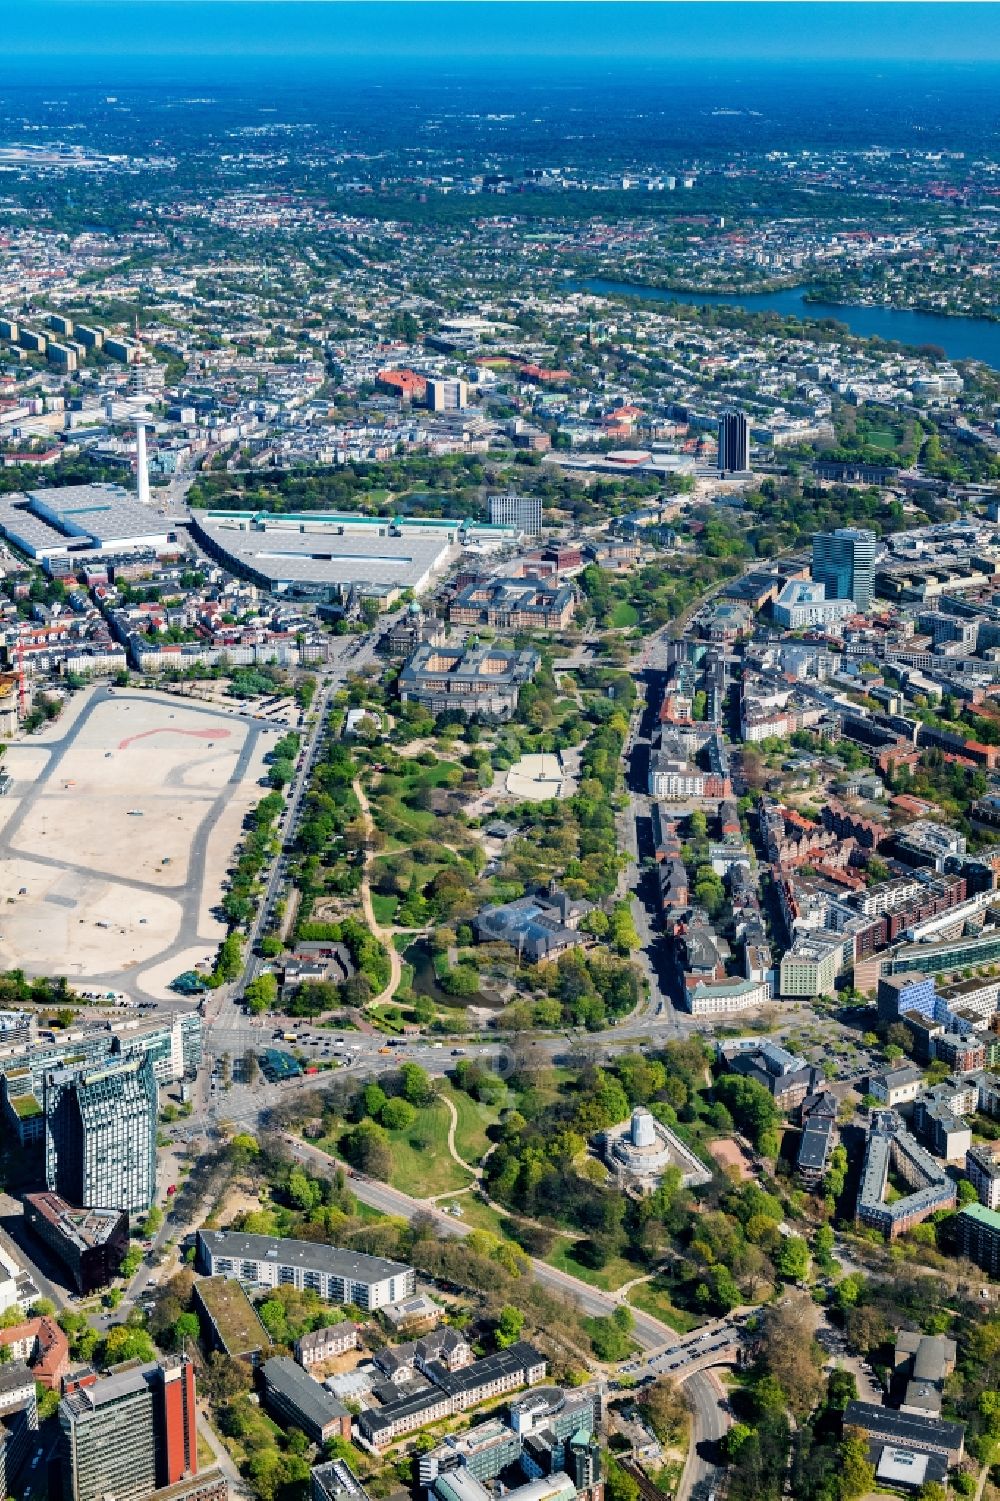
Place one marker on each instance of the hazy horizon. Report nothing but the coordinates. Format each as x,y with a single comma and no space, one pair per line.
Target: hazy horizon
43,39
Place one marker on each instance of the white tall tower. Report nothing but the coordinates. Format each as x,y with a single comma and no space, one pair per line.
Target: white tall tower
643,1130
141,468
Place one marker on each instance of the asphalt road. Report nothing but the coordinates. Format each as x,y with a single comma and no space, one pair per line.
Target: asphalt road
48,1275
710,1421
649,1332
32,1483
223,1013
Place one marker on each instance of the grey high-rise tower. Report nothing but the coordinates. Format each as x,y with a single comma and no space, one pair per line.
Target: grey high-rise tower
524,511
100,1135
130,1433
844,563
734,443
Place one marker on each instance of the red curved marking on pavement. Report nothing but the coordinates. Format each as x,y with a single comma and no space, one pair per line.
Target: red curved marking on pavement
168,729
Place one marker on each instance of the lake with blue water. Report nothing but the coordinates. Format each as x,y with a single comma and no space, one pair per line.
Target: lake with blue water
961,338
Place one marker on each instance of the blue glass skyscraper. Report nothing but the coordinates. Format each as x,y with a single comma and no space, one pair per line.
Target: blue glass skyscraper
844,563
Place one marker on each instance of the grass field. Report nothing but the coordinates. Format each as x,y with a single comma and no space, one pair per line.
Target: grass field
471,1140
386,1017
623,615
478,1215
415,821
613,1275
389,794
367,1212
421,1162
390,903
654,1298
384,908
438,775
420,1157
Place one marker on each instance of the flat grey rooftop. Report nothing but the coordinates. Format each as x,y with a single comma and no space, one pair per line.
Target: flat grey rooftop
325,556
355,1265
102,512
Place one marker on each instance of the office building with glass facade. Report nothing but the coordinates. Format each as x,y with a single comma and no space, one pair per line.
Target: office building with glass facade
100,1135
844,563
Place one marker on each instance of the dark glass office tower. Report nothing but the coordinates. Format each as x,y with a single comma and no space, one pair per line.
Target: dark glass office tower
734,443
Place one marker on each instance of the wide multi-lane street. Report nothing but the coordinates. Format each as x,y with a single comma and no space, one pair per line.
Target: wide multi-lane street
225,1015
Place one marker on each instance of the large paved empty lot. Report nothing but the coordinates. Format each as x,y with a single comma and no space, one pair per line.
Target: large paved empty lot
116,833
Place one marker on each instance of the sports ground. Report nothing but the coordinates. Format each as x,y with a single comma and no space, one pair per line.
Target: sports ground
116,835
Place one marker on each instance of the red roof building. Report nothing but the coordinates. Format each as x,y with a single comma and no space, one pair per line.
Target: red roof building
43,1345
406,384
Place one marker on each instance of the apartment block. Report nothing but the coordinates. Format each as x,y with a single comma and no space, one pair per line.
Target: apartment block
453,1391
292,1396
229,1321
982,1168
977,1235
337,1275
891,1147
326,1344
811,967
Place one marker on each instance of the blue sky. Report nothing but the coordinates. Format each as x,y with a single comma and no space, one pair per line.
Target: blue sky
37,33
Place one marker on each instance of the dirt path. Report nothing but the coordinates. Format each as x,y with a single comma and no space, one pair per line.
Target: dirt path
476,1172
384,935
621,1293
222,1456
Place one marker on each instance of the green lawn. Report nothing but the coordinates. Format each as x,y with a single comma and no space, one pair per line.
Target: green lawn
415,820
418,822
478,1215
384,908
549,1082
421,1162
613,1275
437,775
623,615
390,903
471,1140
654,1298
386,1016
